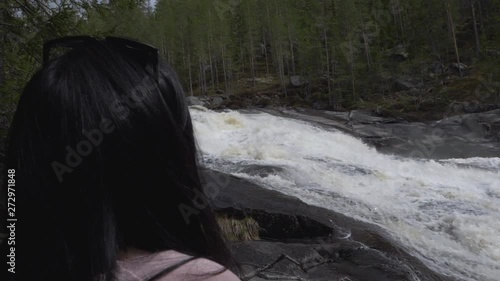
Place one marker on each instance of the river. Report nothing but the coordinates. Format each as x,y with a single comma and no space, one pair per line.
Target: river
445,212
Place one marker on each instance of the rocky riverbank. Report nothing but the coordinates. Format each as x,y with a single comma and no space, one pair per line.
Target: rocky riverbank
459,136
441,94
297,241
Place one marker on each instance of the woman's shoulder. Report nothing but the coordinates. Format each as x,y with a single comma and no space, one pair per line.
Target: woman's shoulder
183,267
202,269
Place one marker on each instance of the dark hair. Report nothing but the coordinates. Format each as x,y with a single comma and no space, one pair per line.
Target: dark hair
104,155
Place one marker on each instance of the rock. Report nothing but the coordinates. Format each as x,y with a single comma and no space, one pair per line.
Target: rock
454,108
457,108
296,81
366,117
194,101
318,105
458,136
493,53
217,101
398,53
478,129
459,66
471,107
330,245
438,68
379,111
403,85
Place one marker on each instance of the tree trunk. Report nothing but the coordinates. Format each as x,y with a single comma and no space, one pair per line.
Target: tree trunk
200,84
252,60
224,68
190,75
269,32
210,51
265,54
452,29
279,55
281,67
212,76
336,95
327,64
292,53
474,23
241,61
205,84
251,49
397,18
252,63
282,74
367,50
353,82
203,78
351,66
183,48
481,22
291,44
216,75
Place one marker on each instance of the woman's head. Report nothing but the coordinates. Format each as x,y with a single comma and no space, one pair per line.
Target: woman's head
104,152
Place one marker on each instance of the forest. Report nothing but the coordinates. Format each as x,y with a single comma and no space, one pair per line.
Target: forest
416,58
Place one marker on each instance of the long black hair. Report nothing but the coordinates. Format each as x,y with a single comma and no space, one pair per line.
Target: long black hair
105,160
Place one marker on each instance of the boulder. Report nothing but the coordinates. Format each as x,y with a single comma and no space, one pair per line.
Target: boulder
459,66
318,105
403,85
471,107
296,81
194,101
398,53
217,101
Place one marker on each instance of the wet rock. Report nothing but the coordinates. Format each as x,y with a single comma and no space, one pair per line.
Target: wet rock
313,243
217,101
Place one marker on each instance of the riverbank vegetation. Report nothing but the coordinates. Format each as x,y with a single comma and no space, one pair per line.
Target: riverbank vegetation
422,57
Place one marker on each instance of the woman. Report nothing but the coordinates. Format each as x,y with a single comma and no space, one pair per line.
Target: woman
105,168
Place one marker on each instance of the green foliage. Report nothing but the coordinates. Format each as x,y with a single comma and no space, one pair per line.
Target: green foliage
351,50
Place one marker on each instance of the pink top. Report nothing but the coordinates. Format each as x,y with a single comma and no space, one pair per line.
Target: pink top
140,267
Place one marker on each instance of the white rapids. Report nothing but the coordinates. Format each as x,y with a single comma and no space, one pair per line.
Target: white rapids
447,213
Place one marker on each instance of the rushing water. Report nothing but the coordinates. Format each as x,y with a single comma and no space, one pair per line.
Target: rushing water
447,213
